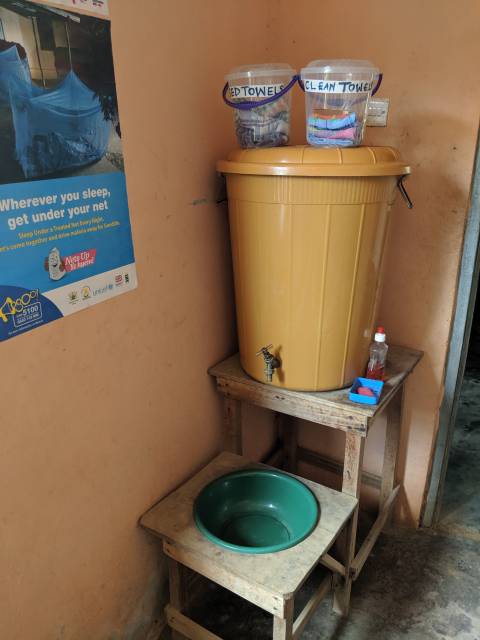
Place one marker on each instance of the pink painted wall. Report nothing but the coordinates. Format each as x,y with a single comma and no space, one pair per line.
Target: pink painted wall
428,53
106,411
111,408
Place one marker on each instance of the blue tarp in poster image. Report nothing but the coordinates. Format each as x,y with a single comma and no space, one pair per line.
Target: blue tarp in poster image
65,236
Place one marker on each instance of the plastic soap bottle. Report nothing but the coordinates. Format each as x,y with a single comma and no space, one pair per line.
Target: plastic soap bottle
378,356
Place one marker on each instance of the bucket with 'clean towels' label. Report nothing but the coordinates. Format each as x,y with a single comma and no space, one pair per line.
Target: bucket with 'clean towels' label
336,100
260,97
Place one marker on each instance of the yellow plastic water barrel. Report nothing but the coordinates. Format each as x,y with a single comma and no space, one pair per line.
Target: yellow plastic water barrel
308,229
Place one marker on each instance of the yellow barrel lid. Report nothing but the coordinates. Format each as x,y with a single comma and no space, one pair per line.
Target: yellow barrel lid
313,161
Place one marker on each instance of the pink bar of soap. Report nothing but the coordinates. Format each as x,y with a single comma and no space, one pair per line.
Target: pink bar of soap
365,391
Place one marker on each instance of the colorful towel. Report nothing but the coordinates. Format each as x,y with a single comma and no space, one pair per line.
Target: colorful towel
332,128
330,121
318,141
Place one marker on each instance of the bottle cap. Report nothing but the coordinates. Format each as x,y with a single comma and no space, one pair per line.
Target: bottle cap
380,335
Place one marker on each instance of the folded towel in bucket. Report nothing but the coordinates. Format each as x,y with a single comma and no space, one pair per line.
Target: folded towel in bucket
332,128
318,141
328,119
339,134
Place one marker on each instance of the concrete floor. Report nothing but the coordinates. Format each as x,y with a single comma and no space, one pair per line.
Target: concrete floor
461,499
416,585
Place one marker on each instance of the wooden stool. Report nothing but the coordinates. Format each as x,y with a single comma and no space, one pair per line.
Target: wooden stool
332,409
269,581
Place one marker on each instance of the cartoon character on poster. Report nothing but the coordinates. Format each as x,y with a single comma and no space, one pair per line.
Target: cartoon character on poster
55,265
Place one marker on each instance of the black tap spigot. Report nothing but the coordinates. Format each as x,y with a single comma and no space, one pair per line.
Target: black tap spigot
271,361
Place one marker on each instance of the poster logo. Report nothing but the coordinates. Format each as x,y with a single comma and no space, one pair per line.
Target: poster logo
58,266
25,305
86,293
80,260
23,309
101,291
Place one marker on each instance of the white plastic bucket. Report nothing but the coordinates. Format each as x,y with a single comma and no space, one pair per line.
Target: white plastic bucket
336,100
260,97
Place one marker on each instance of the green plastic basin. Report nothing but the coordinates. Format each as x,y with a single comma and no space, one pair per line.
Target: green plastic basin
256,511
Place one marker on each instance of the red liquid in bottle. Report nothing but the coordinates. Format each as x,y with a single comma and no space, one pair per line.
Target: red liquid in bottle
377,372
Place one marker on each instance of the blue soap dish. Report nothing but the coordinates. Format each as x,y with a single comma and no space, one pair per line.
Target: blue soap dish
375,385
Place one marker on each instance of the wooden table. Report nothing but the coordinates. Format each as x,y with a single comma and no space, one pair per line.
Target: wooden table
332,409
269,580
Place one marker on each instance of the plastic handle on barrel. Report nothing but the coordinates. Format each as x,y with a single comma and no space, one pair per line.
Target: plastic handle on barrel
403,191
377,86
246,106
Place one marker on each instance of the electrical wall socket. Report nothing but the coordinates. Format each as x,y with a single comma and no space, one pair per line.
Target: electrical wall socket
377,112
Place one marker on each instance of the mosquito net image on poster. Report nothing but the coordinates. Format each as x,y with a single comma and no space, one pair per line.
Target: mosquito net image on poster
58,105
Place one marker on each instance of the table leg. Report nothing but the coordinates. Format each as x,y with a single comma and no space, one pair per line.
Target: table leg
178,592
290,444
352,473
392,437
232,436
283,627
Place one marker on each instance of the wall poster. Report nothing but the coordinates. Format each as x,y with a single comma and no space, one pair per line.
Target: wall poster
65,237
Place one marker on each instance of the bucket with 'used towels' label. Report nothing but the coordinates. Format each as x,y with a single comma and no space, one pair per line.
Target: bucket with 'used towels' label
260,97
336,100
